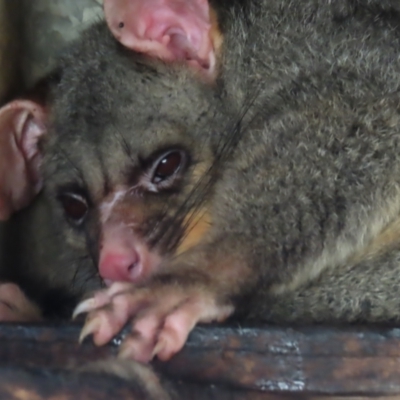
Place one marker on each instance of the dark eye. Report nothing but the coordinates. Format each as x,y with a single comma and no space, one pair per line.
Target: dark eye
167,166
75,206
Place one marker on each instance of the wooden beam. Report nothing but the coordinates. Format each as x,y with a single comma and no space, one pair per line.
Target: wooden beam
317,360
255,362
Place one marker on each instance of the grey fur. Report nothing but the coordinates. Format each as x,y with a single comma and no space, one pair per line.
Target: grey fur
312,182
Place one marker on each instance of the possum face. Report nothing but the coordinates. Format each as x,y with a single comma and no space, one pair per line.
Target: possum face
128,159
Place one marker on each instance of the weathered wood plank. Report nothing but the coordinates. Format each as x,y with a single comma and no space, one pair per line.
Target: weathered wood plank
259,362
47,346
40,384
318,360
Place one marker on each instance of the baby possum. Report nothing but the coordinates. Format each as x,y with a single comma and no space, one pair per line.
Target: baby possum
237,158
32,243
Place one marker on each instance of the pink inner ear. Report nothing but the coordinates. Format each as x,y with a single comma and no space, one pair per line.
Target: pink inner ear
22,122
166,29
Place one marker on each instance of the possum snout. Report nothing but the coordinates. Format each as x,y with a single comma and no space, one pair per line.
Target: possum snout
125,256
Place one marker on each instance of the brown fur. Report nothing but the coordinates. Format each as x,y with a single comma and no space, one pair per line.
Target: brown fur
299,201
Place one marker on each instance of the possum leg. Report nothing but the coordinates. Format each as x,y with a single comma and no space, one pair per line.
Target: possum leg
15,306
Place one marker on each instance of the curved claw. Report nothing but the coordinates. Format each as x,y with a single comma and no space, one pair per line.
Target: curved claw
84,307
126,353
89,328
157,349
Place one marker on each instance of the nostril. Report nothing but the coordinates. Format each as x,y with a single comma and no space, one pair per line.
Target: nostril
135,271
133,266
119,266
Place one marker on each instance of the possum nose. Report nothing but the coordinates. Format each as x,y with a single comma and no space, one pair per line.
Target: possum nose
117,266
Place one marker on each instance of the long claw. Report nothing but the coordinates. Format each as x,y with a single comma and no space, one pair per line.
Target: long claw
159,346
90,327
126,353
84,307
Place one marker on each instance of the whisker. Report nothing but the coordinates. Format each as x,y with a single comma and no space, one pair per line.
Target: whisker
124,142
197,196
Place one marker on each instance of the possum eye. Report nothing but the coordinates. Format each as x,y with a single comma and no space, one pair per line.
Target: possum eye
75,206
167,166
163,171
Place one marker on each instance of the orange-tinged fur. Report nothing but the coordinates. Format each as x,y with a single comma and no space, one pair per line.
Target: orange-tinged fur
388,238
198,225
215,33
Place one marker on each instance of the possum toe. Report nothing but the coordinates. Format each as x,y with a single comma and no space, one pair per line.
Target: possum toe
179,324
104,323
100,298
162,318
161,329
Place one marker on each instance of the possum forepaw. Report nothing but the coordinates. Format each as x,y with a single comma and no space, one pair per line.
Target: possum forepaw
163,317
15,306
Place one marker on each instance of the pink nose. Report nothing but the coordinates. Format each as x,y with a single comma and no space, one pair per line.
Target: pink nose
119,266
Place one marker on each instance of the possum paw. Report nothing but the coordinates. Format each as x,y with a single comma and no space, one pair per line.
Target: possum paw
15,306
163,316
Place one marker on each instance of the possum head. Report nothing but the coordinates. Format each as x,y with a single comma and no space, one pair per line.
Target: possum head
129,154
126,140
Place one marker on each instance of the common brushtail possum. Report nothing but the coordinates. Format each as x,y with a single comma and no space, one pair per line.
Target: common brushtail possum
223,159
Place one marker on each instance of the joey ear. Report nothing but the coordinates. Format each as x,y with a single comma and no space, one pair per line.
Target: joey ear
22,123
167,29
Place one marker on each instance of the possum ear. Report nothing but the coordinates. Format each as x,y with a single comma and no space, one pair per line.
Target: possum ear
167,29
22,123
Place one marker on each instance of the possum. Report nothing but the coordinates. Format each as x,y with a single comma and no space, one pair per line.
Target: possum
222,159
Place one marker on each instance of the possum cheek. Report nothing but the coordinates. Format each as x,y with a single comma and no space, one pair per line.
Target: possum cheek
124,256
